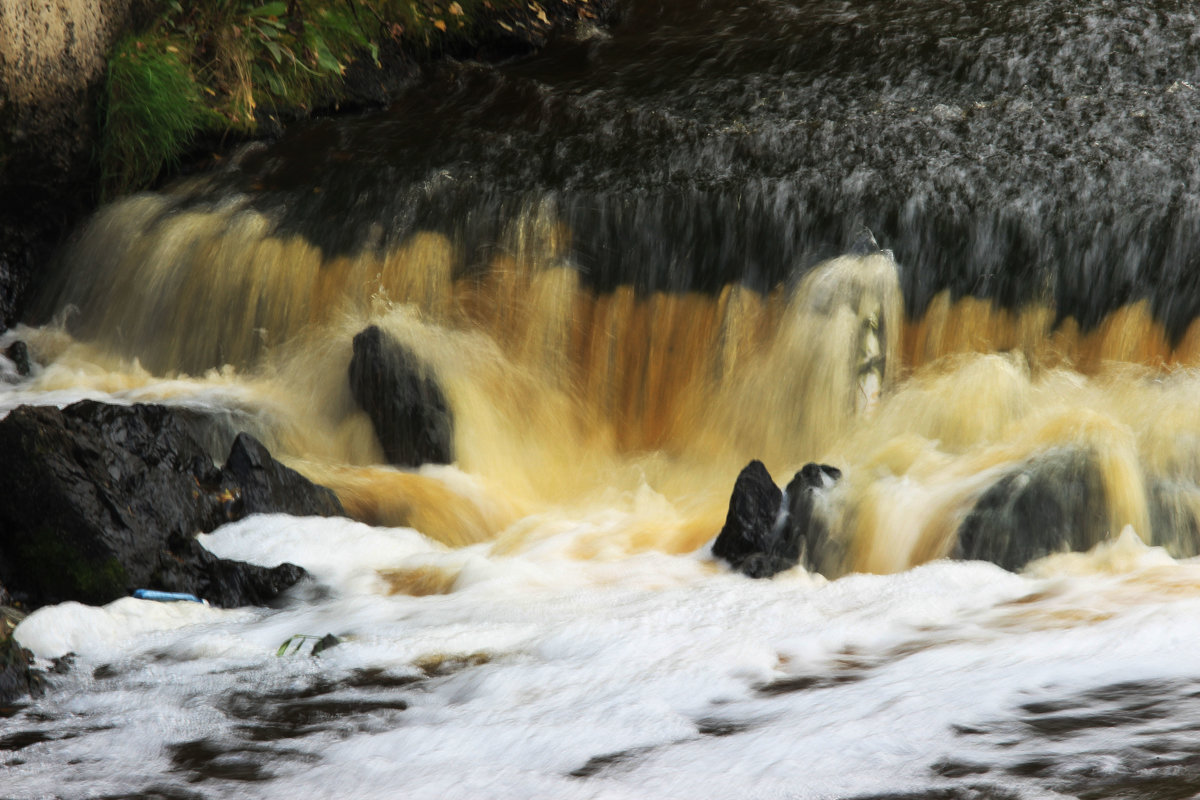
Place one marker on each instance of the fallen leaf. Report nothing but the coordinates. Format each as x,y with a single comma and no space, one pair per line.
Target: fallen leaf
441,26
456,9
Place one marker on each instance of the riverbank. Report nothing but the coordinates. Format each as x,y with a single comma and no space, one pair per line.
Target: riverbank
100,100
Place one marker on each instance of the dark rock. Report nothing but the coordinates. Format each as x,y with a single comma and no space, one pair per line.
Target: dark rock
17,676
18,353
806,527
52,74
1173,521
759,541
101,499
748,541
407,407
220,581
266,486
1054,503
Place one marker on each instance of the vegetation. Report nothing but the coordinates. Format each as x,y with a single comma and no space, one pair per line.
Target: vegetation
220,66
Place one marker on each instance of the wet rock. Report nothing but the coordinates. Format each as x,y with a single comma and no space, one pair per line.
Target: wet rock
807,525
18,353
748,541
102,499
17,676
266,486
221,581
1173,522
1054,503
407,407
762,537
52,71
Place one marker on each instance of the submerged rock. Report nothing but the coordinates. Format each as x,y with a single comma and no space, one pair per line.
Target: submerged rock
1055,503
1173,522
807,526
102,499
18,353
407,407
758,540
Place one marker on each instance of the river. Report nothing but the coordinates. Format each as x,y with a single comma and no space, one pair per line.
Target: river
635,262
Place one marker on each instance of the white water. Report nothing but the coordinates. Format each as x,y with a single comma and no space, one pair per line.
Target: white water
535,664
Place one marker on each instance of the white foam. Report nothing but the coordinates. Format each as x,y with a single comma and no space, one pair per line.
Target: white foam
556,665
54,631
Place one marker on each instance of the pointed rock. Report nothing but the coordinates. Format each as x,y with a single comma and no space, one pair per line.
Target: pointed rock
407,407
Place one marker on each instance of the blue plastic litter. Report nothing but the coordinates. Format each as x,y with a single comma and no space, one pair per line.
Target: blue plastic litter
165,597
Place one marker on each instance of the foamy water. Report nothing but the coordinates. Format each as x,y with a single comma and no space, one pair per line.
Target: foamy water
649,676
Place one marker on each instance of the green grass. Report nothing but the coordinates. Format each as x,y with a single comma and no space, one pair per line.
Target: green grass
153,108
214,66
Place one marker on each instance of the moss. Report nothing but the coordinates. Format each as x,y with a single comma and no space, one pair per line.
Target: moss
217,66
60,570
153,108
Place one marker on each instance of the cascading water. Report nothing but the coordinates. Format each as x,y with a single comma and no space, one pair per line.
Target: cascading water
634,263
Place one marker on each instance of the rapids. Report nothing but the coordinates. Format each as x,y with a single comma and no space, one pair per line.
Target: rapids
635,262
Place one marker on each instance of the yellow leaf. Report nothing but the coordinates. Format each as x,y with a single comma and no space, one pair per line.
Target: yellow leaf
441,26
456,9
542,16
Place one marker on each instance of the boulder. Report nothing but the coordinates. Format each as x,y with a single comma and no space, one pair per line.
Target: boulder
1173,524
18,354
807,527
762,536
749,540
407,407
1054,503
102,499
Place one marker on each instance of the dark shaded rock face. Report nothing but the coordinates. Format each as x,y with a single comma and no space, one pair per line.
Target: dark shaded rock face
748,541
1172,516
18,353
100,500
266,486
17,677
1055,503
758,540
51,74
807,530
411,416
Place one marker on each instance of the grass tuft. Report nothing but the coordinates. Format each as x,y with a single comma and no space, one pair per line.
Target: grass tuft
219,65
153,107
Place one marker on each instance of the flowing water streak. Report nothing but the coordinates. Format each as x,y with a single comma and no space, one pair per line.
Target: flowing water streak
608,256
570,399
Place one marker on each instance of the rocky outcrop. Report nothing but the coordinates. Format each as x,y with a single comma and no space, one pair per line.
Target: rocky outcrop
1054,503
52,62
407,407
17,677
761,537
748,540
100,499
265,486
807,524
